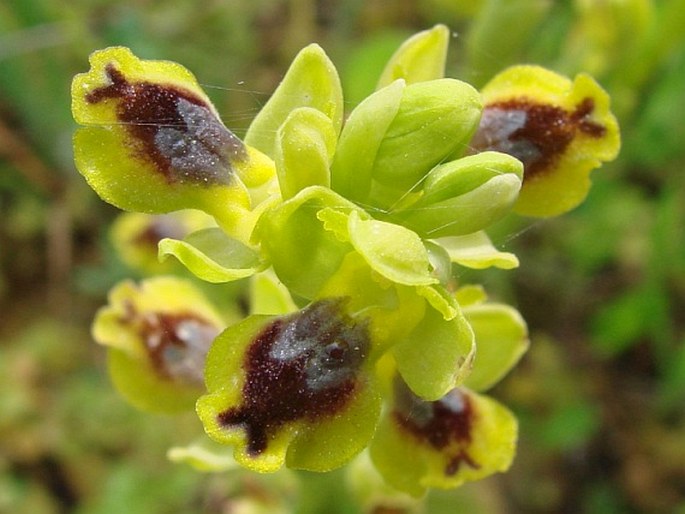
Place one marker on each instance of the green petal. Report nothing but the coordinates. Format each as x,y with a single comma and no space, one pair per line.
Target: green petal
213,256
462,437
303,253
305,145
436,356
476,251
501,338
311,81
420,58
393,251
360,140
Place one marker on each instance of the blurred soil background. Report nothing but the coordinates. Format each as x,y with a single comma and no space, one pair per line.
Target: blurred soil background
601,393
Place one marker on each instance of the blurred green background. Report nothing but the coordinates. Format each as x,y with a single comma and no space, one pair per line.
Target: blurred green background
601,393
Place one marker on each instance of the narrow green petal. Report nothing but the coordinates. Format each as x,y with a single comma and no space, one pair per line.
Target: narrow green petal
477,251
212,255
311,81
421,57
204,455
464,196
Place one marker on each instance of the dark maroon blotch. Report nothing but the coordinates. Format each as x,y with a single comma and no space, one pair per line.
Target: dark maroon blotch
303,366
439,423
536,134
160,227
172,128
177,344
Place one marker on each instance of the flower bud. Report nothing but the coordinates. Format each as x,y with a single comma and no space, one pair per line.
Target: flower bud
398,134
464,196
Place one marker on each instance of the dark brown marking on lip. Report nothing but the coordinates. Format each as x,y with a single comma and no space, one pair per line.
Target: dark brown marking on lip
177,344
536,134
304,366
441,423
173,129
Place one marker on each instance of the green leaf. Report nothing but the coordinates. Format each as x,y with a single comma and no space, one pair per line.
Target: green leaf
213,256
421,57
311,81
305,145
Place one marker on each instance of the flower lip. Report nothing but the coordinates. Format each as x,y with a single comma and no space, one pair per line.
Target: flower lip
442,423
177,344
173,128
537,134
301,366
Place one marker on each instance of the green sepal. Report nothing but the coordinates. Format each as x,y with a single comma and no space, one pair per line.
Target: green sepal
360,140
311,81
464,196
501,338
305,145
420,58
213,256
437,355
303,253
391,250
269,296
411,463
477,251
